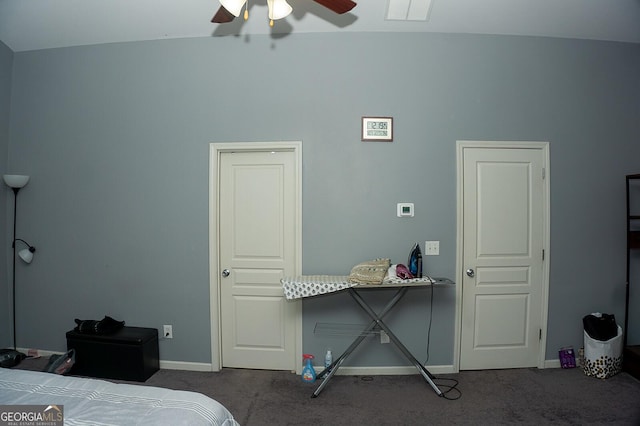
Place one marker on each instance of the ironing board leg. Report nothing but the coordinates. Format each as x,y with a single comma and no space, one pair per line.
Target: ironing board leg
378,320
328,373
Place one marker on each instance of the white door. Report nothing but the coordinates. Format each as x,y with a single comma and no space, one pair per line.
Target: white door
258,244
503,279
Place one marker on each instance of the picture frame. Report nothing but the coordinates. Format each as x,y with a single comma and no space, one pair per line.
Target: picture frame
378,129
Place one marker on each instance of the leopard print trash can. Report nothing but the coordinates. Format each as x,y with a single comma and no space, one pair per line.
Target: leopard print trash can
602,359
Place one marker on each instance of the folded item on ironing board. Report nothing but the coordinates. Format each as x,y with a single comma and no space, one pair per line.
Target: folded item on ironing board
391,273
370,272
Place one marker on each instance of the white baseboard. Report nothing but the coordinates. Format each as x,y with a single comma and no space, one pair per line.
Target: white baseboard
389,371
405,370
186,366
552,363
166,365
343,371
555,363
40,353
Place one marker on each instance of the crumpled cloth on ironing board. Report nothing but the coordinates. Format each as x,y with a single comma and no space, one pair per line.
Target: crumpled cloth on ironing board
314,285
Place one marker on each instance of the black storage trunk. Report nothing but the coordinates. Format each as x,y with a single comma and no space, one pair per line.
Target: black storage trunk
129,354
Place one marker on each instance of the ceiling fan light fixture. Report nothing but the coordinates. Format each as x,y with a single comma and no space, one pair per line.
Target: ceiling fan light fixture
233,6
279,9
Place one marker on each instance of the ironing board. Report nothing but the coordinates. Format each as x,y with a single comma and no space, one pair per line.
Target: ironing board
306,286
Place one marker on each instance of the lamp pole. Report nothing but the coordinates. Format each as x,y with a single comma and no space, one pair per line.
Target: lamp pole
13,274
15,182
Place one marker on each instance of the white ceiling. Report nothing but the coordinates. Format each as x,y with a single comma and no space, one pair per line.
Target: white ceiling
42,24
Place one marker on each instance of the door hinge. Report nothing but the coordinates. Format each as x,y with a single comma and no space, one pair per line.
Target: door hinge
540,335
544,173
542,254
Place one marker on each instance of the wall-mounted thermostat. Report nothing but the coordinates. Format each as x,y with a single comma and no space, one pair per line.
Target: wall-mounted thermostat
405,209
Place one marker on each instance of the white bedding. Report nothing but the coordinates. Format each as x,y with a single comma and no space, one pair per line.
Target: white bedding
98,402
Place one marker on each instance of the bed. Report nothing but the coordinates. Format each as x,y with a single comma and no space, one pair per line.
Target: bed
98,402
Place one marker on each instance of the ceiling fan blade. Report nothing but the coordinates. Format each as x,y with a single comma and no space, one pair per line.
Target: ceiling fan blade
338,6
222,16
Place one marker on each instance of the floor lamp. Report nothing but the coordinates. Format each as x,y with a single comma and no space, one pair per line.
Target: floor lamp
16,182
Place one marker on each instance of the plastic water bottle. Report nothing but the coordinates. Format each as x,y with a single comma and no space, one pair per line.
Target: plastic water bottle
328,360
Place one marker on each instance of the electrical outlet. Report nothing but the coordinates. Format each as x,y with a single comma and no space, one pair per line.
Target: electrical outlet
384,337
167,331
432,248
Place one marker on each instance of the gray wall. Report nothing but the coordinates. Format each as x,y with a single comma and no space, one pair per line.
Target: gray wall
6,195
116,138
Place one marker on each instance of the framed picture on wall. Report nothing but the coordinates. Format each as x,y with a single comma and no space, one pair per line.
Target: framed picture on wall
377,129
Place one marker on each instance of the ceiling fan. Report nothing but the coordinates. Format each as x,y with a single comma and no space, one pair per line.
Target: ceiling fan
278,9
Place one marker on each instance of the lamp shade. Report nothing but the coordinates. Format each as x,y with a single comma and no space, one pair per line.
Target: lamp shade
15,181
26,255
233,6
279,9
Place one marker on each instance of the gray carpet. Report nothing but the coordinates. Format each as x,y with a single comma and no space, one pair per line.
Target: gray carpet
492,397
